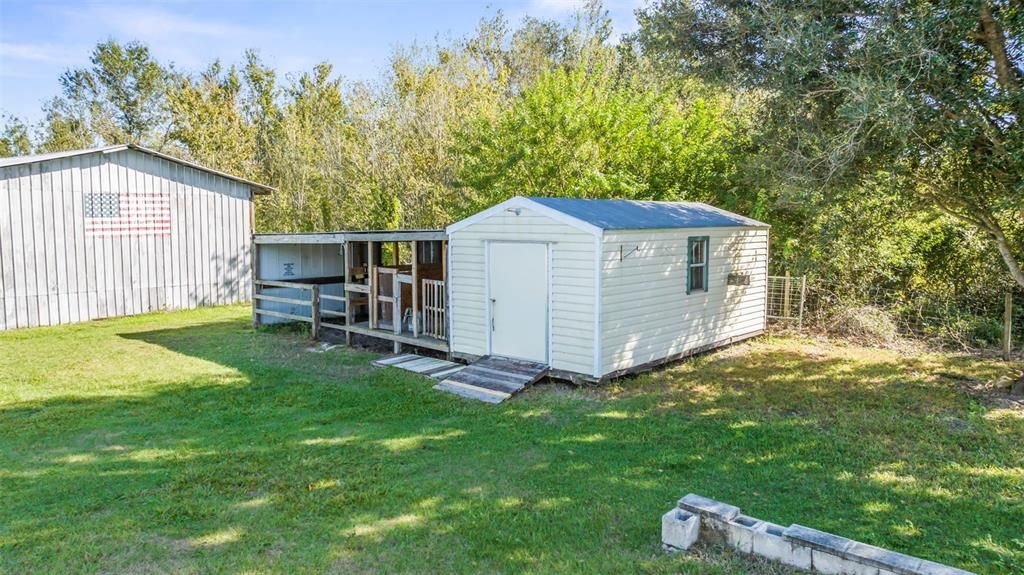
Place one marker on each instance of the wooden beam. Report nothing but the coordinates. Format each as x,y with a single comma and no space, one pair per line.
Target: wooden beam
314,304
371,266
394,254
415,290
349,316
255,270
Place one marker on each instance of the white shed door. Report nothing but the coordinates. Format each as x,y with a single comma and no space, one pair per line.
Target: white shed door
518,295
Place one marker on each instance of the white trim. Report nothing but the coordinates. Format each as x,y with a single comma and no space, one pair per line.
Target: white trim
525,203
598,261
448,298
488,326
551,281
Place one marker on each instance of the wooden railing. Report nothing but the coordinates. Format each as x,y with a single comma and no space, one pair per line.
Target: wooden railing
434,323
312,302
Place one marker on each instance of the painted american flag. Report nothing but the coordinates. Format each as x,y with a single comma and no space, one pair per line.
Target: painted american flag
111,214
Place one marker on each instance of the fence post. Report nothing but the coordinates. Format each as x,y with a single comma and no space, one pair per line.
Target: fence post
255,304
314,304
785,297
803,296
1007,326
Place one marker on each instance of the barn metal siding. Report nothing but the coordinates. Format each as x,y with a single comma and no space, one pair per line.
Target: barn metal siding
53,272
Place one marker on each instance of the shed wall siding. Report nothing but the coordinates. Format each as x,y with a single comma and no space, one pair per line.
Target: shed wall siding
646,314
572,285
53,272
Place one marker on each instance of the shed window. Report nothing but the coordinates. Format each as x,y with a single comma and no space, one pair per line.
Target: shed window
697,264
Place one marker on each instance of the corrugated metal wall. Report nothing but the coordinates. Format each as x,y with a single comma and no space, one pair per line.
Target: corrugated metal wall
183,239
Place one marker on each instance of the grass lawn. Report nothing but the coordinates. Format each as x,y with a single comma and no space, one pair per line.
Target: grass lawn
185,442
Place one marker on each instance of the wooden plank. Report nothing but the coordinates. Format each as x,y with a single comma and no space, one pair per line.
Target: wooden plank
415,290
336,326
283,315
395,359
347,252
444,374
358,288
469,377
332,297
331,312
314,304
428,343
278,299
504,375
283,284
371,258
470,392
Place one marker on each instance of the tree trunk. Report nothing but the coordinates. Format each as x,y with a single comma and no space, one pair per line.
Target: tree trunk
1003,245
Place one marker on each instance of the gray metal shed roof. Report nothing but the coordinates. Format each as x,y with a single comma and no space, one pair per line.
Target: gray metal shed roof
633,214
257,187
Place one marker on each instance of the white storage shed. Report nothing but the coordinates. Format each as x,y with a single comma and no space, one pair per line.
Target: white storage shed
119,230
599,288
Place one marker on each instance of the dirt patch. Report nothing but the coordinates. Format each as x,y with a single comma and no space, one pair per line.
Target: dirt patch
993,393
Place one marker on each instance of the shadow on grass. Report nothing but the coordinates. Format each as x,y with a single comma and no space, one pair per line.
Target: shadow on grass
291,460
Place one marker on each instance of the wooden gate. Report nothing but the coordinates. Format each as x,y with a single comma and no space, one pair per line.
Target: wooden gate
434,323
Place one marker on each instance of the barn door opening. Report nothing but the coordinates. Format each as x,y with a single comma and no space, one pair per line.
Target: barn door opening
517,280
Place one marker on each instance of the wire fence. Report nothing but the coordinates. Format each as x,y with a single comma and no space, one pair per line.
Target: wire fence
880,315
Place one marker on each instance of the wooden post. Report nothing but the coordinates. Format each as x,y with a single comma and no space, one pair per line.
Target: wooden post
1007,326
803,296
394,253
314,309
396,303
347,248
785,297
371,258
415,290
254,263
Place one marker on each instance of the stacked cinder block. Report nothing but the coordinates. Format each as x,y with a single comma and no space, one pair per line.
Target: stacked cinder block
802,547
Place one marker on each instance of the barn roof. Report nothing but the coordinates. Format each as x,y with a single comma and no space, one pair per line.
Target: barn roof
633,214
257,187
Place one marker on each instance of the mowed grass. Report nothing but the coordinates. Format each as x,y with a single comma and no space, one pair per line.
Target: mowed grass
186,442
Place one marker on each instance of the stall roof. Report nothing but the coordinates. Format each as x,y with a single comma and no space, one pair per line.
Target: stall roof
351,236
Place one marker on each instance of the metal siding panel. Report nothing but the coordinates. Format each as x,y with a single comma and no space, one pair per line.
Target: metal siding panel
83,256
49,313
203,223
191,240
19,211
178,250
71,261
7,214
30,198
59,255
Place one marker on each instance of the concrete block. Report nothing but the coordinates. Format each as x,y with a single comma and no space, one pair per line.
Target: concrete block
679,529
829,564
739,533
933,568
697,504
820,540
768,542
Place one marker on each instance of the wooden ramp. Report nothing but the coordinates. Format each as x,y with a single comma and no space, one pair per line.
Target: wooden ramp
429,366
493,379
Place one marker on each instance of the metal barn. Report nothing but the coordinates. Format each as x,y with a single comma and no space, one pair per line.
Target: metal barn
584,290
117,231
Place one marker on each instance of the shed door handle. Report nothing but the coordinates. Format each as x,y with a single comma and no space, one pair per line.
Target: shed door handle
493,301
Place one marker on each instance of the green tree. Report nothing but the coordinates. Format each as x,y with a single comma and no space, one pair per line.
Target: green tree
14,138
586,132
929,91
121,97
